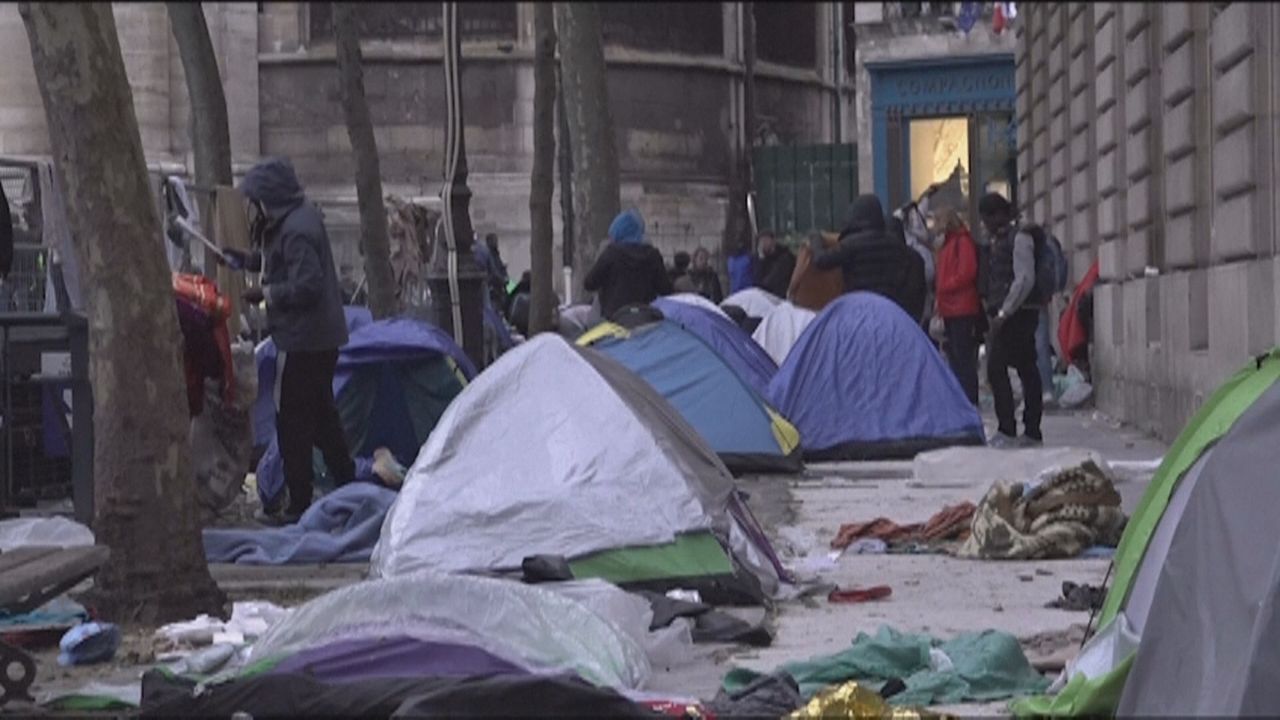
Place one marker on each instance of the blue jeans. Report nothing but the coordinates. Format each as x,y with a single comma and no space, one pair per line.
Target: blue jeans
1044,351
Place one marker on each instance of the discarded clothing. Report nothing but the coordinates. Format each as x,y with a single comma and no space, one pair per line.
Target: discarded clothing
709,625
985,666
1079,597
949,524
202,315
1066,512
770,696
342,526
859,595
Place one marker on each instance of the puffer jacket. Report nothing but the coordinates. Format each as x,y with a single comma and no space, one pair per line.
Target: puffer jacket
627,274
304,302
957,290
874,261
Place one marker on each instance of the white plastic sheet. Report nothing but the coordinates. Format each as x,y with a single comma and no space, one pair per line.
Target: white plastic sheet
753,301
698,301
536,628
667,647
44,531
981,466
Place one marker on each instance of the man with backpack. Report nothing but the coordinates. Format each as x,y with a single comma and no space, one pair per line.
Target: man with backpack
1018,280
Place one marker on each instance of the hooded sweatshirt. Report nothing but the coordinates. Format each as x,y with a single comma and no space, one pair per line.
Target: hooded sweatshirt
300,281
872,261
629,270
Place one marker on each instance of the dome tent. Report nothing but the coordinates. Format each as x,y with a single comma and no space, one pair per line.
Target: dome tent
754,301
863,382
393,381
587,462
734,346
1188,626
737,424
778,332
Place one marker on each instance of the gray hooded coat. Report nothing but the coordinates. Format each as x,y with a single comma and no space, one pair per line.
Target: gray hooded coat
304,302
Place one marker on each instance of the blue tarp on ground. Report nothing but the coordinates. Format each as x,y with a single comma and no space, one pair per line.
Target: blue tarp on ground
864,382
342,526
729,415
399,402
733,344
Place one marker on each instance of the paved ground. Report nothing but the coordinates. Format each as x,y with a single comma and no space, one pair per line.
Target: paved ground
931,593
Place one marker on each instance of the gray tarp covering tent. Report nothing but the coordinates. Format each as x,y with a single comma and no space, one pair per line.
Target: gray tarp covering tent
1211,637
560,450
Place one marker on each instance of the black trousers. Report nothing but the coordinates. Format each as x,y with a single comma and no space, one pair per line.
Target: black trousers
1014,346
308,418
962,352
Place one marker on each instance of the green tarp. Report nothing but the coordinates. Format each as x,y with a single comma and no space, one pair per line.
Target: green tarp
694,555
985,666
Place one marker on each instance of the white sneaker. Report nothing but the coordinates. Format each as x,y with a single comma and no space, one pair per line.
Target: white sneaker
1000,441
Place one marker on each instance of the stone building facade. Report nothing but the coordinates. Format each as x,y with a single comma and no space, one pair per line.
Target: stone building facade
1146,141
676,73
934,103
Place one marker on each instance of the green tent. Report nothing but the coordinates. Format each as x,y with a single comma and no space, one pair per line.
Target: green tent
1145,547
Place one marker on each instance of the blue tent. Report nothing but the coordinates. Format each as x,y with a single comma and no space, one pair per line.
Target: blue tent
394,380
264,407
734,345
744,431
863,382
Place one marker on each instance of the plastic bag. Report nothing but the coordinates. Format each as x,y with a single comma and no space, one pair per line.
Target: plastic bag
88,643
45,532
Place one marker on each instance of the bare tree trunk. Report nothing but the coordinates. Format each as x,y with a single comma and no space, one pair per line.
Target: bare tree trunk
542,178
374,239
595,156
145,497
210,133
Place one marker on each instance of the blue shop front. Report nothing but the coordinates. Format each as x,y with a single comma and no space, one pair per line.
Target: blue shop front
945,121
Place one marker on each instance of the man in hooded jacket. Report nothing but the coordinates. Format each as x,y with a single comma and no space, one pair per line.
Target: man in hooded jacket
874,259
629,270
306,320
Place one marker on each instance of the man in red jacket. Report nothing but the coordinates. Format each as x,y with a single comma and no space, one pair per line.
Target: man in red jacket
957,300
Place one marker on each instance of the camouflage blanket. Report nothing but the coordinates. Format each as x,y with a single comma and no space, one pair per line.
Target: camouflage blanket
1071,510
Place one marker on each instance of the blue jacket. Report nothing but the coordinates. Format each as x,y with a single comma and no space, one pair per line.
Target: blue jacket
304,302
741,272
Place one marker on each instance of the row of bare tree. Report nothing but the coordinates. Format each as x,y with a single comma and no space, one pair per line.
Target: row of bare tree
145,508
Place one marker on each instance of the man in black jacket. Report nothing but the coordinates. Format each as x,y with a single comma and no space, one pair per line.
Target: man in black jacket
629,270
307,323
1014,308
874,259
775,266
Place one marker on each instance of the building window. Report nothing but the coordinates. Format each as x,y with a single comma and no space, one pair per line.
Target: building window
850,39
404,21
695,28
787,33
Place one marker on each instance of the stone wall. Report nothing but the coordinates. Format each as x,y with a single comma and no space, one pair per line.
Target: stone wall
1145,136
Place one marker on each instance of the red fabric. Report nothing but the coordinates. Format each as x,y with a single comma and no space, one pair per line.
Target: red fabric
203,292
1073,336
957,276
950,523
857,595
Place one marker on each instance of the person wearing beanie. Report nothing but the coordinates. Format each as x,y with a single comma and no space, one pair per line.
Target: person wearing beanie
629,270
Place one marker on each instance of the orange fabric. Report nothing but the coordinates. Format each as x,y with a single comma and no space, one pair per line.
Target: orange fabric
957,276
812,288
203,292
950,523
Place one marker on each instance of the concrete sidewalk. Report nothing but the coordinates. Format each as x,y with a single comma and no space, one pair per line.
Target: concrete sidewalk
935,594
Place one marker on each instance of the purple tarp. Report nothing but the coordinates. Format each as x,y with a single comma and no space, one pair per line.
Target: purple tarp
394,657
